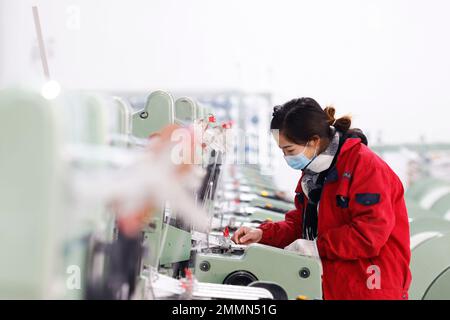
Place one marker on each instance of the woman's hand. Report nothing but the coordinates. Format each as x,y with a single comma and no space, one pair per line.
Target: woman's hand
246,235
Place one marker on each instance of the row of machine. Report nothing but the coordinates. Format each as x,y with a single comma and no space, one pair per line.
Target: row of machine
428,203
92,206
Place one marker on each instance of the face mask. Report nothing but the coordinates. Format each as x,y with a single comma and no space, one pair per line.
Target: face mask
323,161
320,163
299,161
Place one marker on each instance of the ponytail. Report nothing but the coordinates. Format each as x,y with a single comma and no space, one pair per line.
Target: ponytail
341,124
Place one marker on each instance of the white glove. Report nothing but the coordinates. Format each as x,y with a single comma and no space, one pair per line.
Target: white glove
304,248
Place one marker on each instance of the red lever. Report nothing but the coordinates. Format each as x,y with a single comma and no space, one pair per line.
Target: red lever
226,232
188,273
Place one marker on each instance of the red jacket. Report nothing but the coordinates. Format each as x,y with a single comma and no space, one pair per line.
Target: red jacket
362,222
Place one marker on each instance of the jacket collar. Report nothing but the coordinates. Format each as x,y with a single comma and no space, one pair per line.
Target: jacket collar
349,143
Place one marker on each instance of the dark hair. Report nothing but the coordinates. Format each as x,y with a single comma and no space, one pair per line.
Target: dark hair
301,119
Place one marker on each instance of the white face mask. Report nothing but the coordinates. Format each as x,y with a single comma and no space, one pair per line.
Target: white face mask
320,163
323,160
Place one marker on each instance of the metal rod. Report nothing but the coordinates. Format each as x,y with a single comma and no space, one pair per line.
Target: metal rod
37,24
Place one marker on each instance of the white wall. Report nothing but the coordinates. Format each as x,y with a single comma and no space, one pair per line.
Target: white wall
385,61
2,38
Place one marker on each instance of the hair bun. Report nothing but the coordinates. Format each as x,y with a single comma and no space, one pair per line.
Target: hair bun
276,110
330,111
341,124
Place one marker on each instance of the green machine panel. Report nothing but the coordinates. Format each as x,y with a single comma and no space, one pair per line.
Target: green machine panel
164,241
440,288
430,262
157,113
415,211
428,224
261,214
297,275
30,171
422,187
185,111
442,207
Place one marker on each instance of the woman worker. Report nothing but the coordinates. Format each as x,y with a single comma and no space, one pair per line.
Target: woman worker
348,201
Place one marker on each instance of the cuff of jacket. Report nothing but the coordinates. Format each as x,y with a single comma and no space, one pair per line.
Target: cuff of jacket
267,237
